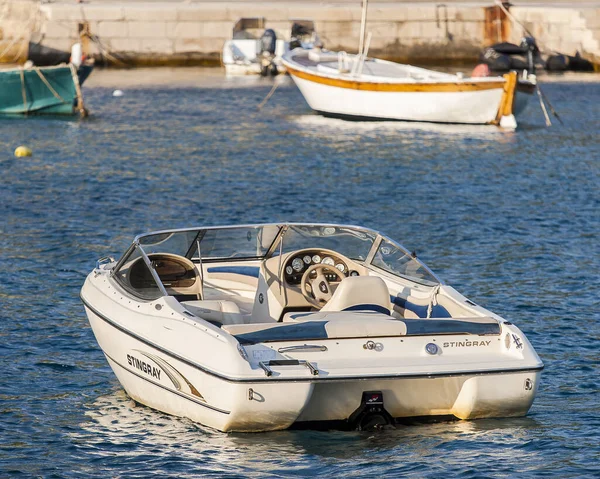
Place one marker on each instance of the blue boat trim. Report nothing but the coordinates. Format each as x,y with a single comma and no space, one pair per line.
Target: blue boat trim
418,327
243,270
294,332
369,307
437,311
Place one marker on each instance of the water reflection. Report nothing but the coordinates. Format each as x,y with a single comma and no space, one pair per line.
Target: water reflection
116,423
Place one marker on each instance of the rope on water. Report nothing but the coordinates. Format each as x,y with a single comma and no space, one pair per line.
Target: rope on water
269,95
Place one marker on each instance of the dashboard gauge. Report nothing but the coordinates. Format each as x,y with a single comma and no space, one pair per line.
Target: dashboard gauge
307,259
297,264
289,270
340,267
328,260
316,259
353,273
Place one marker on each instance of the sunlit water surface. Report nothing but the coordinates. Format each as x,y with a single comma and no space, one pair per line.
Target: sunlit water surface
511,219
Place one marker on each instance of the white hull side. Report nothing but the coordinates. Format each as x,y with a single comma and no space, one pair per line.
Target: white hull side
470,107
226,405
222,404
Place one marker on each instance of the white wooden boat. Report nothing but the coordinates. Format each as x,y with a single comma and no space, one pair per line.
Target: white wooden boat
265,327
354,87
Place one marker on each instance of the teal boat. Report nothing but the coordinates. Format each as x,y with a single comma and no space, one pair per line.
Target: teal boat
54,90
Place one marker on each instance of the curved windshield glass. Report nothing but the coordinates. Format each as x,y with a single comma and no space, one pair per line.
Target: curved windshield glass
133,275
218,243
394,259
351,242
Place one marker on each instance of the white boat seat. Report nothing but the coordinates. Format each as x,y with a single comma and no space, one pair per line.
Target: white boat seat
221,312
360,293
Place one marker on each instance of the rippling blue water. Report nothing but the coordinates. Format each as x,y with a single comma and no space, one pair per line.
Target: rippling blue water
510,219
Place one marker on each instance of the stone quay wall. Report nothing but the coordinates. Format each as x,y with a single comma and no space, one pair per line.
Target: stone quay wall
180,33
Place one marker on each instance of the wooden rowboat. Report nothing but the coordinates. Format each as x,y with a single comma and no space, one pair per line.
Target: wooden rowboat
354,87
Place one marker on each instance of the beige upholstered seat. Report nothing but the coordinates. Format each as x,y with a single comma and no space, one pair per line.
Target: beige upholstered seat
222,312
360,293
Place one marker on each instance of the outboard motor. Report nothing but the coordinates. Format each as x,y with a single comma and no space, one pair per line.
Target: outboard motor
371,413
268,45
268,42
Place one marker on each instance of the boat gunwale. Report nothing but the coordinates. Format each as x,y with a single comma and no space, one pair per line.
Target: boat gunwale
393,84
33,68
396,87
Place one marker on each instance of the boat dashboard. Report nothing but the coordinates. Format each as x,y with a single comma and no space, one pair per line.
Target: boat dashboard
297,264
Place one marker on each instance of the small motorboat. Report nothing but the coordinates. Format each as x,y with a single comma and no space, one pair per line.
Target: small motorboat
256,50
354,87
266,327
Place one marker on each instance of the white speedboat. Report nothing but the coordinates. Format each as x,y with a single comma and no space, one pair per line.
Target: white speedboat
355,87
265,327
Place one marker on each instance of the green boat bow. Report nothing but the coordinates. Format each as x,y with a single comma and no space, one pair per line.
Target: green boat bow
43,90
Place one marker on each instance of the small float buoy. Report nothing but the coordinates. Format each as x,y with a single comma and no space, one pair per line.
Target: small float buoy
118,93
22,151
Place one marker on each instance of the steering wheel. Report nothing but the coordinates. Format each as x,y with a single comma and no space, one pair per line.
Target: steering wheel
320,287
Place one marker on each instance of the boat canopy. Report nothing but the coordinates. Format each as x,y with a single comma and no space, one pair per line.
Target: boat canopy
263,241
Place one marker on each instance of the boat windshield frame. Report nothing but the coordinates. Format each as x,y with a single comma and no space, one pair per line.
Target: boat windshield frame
274,248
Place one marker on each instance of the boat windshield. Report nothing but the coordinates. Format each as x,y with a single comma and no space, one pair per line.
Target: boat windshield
255,241
351,242
394,259
244,242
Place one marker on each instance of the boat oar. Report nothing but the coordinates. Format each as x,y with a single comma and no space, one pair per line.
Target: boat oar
269,95
554,112
543,106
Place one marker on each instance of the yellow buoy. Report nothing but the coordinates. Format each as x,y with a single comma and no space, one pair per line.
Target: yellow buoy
22,151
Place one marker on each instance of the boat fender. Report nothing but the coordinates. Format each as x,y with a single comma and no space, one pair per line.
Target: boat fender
22,151
76,54
508,121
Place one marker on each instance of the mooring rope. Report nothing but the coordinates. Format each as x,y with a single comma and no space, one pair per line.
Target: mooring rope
47,83
80,106
23,91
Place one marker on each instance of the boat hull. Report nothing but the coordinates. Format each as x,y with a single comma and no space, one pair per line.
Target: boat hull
51,91
470,107
172,384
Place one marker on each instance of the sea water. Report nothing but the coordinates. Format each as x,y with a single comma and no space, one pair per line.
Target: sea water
509,218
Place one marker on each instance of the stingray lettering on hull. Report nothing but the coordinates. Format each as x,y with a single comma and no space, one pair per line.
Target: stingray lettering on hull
145,367
467,344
